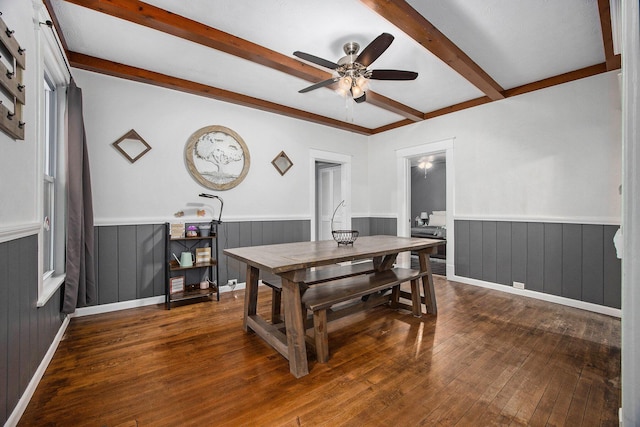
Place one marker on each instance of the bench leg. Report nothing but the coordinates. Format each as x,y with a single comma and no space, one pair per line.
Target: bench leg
321,335
395,296
276,300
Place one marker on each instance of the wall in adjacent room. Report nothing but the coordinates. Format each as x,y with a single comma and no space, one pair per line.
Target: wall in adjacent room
428,191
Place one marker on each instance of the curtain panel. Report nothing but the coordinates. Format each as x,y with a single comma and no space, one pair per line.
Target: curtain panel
80,285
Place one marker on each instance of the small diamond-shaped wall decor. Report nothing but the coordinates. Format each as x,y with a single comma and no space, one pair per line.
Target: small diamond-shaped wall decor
282,163
132,146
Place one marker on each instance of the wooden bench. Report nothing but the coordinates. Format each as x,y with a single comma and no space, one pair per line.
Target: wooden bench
321,298
318,275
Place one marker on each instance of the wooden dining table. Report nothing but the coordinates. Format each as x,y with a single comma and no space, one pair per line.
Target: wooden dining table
292,261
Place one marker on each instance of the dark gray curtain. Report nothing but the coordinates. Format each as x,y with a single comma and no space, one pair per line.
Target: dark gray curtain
80,285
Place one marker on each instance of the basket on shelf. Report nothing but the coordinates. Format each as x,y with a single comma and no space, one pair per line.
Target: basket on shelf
343,237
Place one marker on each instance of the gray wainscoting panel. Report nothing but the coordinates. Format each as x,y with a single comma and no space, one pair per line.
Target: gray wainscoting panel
518,251
612,272
592,263
159,281
255,233
363,225
553,259
489,251
462,245
535,257
4,328
572,261
130,258
129,262
26,331
127,257
576,261
503,253
475,249
107,264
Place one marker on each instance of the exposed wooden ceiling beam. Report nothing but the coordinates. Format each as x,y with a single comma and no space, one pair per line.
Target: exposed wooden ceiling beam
159,19
416,26
557,80
394,106
612,60
90,63
509,93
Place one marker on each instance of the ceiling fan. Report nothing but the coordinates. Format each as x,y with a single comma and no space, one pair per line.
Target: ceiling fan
352,72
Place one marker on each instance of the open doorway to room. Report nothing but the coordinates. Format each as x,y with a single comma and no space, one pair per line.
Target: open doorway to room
428,205
328,198
425,198
330,185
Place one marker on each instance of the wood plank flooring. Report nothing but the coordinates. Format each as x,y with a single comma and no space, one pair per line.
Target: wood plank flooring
488,358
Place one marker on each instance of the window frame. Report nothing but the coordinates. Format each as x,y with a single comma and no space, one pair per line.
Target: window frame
51,66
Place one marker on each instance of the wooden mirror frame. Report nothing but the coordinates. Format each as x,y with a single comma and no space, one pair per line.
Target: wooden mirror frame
132,134
279,159
236,151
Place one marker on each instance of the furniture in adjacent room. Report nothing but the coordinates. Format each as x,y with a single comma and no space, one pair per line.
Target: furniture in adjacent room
295,265
433,227
191,262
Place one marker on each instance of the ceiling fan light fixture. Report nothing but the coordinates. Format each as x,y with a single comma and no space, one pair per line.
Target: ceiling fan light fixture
351,73
345,83
356,91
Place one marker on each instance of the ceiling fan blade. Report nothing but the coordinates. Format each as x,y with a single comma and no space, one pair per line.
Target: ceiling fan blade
362,98
392,75
374,49
316,60
318,85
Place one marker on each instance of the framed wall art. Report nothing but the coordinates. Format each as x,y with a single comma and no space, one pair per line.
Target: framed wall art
282,163
132,146
176,284
217,157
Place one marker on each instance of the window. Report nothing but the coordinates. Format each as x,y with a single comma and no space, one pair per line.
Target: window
51,149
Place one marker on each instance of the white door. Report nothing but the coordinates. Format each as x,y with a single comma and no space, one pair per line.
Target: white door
329,197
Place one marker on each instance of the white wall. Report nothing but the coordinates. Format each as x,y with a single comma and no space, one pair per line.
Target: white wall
158,184
550,155
18,159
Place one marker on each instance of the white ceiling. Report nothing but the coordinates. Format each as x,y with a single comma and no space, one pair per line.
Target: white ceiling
516,42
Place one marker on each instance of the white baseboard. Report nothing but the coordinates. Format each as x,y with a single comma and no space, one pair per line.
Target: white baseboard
106,308
116,306
37,376
614,312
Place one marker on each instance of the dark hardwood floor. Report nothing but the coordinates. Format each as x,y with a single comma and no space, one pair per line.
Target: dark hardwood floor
488,358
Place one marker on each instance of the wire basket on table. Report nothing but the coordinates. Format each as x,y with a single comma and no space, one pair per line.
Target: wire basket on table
345,237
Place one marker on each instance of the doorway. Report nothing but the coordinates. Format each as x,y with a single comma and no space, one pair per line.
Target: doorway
328,199
405,158
330,183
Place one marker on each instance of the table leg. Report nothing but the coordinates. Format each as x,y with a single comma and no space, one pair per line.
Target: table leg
250,295
427,281
386,263
294,324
